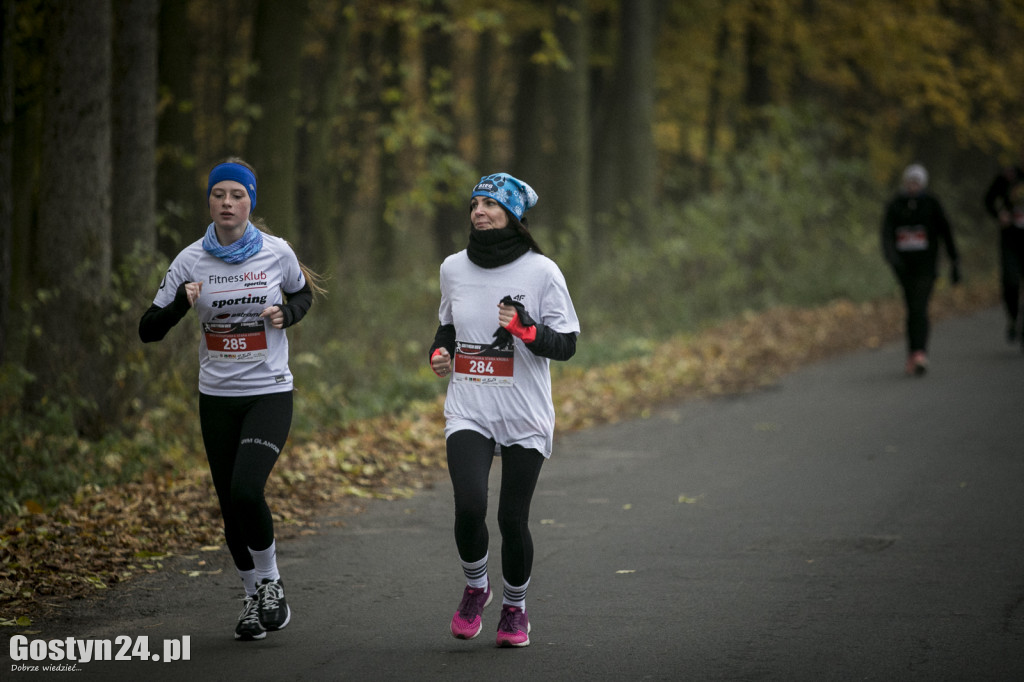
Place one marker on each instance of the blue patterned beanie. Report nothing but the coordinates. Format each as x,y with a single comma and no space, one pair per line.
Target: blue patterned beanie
515,195
236,172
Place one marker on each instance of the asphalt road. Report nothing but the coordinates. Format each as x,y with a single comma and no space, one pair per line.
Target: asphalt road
848,524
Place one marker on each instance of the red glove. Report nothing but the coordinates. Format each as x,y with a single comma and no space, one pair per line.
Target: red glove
516,328
436,352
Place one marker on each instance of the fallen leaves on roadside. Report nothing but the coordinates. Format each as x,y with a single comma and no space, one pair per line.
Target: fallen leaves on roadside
105,536
747,353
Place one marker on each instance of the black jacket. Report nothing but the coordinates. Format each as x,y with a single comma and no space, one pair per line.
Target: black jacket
912,228
1004,190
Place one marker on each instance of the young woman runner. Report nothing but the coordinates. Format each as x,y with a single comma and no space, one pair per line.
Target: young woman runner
246,287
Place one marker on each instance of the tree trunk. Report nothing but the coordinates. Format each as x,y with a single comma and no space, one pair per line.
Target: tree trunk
484,101
219,82
385,238
134,128
639,159
437,56
324,195
364,210
625,159
6,164
71,356
176,144
714,104
27,150
758,91
569,207
602,123
529,127
272,145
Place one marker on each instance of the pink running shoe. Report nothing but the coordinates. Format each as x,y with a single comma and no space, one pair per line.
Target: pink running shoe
920,361
514,627
467,621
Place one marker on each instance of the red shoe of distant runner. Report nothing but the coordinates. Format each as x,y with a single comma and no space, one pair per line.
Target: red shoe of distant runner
917,364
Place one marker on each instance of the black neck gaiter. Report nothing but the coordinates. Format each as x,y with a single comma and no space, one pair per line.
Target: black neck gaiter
491,248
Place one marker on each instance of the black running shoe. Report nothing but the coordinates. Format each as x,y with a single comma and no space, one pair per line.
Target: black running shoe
274,611
249,626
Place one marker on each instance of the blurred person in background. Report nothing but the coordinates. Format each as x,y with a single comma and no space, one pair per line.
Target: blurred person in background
912,229
1004,201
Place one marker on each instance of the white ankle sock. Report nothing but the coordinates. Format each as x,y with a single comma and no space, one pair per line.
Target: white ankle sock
248,581
513,595
266,563
476,572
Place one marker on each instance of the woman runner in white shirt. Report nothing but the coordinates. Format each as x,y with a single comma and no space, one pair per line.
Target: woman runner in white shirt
505,313
246,287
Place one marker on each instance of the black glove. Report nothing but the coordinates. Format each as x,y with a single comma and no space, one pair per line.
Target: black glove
503,336
524,317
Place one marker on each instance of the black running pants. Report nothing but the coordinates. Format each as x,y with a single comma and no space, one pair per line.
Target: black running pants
1011,270
917,292
243,437
469,464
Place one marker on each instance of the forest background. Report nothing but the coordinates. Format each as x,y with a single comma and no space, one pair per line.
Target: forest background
694,160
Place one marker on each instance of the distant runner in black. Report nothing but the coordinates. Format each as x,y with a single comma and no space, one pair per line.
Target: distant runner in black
1004,201
913,226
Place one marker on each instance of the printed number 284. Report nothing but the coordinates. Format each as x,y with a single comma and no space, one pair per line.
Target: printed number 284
481,367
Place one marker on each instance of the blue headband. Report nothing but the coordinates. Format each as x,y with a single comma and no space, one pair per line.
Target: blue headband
238,173
515,195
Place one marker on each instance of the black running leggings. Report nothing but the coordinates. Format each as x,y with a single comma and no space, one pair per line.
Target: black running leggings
917,292
1011,262
469,464
243,437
